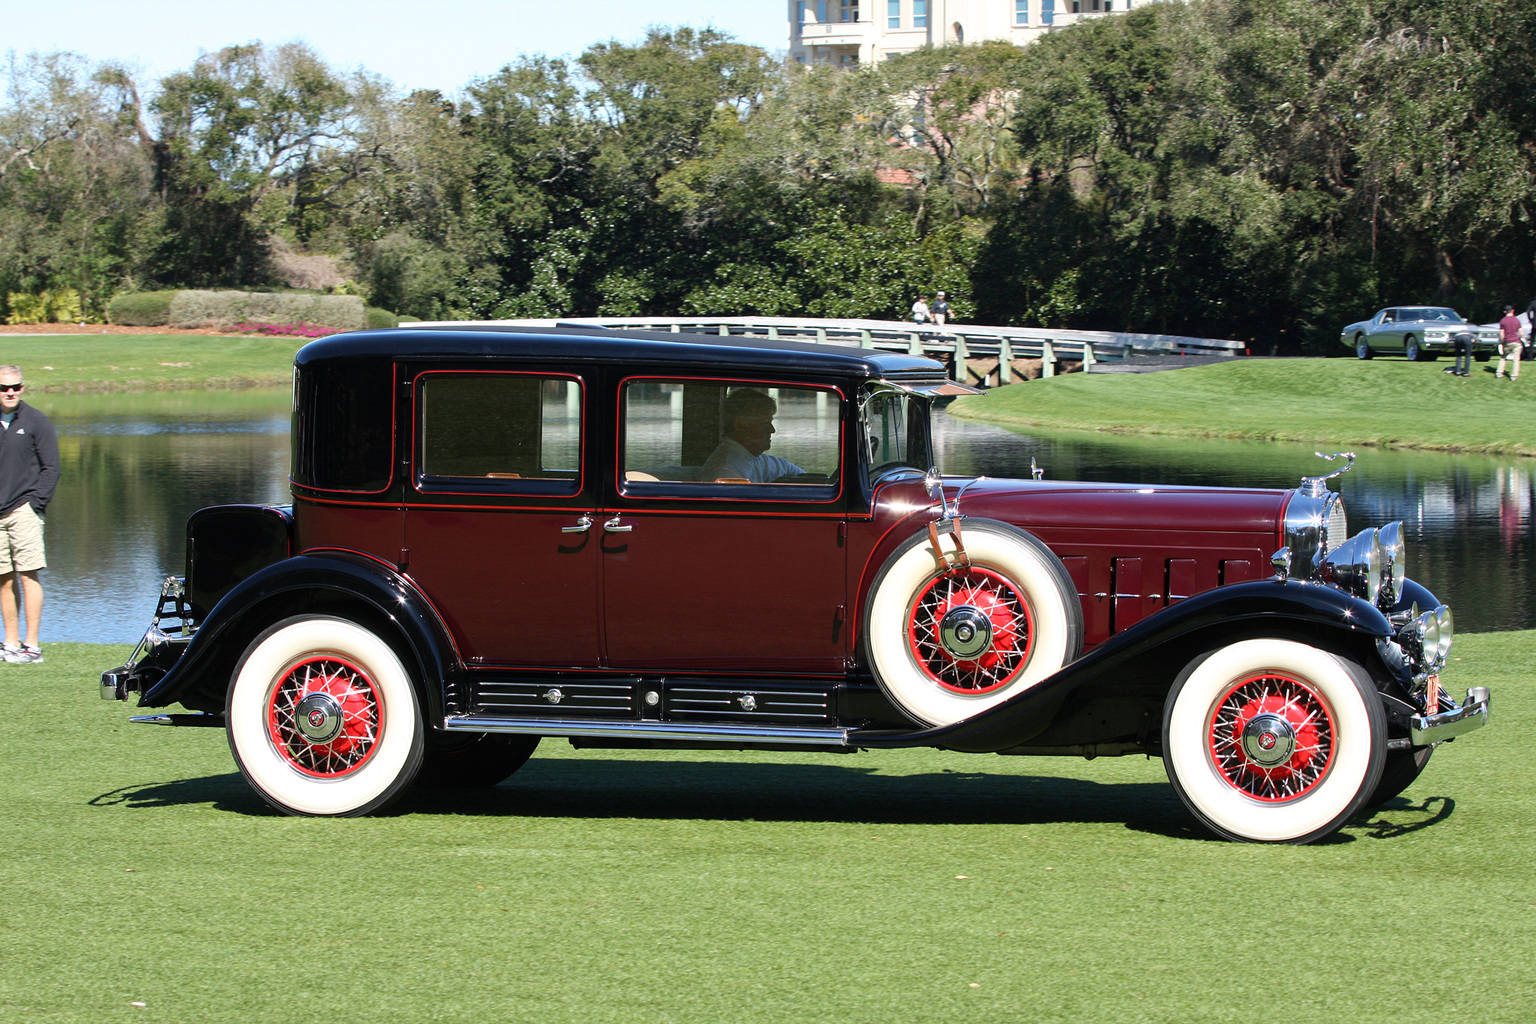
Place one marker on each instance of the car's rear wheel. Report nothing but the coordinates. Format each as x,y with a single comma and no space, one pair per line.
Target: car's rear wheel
473,760
1276,741
1411,349
1362,347
949,640
323,718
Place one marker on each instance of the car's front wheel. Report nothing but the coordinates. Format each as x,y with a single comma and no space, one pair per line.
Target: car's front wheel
1362,347
323,718
950,634
1411,349
1272,740
1402,769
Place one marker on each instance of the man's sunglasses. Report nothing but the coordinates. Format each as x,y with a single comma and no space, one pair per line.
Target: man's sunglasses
11,387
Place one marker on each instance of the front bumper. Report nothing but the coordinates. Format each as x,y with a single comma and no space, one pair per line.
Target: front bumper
1452,720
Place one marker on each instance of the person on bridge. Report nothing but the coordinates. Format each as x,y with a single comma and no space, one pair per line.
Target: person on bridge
940,310
920,312
743,453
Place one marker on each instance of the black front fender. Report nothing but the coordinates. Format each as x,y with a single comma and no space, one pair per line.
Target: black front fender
1158,647
321,583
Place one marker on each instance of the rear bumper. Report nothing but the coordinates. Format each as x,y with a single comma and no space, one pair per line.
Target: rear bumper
1447,724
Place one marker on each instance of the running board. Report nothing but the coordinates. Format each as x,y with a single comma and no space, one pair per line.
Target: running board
682,732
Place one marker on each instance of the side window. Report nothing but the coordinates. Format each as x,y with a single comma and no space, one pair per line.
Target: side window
498,432
892,439
731,439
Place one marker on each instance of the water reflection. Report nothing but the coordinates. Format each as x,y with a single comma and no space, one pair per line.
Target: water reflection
135,466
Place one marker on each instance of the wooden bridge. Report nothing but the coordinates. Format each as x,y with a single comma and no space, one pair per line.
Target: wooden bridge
985,356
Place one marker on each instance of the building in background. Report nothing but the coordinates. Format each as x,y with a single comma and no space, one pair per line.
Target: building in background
850,32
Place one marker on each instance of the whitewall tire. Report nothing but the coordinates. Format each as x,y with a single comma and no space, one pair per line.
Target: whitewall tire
947,642
1274,741
323,719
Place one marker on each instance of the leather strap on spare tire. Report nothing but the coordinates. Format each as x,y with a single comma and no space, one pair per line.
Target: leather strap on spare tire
961,618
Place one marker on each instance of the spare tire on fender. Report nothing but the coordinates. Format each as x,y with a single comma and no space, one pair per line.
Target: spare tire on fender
953,632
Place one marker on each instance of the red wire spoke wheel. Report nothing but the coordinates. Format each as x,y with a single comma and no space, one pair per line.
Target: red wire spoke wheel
1270,740
971,631
323,718
951,633
1271,736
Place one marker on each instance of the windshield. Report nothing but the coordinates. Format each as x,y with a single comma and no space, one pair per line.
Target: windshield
1433,313
895,432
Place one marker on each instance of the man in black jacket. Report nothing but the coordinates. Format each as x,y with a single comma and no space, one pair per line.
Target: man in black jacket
29,471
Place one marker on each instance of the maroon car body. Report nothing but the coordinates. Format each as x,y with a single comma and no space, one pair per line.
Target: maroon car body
503,535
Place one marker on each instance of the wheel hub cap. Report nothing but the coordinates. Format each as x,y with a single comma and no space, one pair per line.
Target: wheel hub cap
1268,740
965,632
318,716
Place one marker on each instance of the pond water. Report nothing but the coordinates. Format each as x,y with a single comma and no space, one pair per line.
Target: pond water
135,466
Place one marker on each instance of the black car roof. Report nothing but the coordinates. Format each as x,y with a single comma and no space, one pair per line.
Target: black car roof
597,345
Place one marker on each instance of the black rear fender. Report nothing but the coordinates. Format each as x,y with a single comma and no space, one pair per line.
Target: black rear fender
342,584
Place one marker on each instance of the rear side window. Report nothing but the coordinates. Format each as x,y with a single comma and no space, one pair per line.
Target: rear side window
517,432
731,439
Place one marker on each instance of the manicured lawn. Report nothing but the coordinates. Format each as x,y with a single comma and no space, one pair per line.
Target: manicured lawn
1340,402
65,363
699,887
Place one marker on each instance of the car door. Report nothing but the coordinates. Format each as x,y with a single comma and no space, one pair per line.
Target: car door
727,574
498,523
1386,332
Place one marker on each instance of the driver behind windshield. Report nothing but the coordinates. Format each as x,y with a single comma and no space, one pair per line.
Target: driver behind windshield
743,456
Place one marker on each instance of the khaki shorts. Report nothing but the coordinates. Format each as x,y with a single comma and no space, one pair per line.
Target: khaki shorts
21,541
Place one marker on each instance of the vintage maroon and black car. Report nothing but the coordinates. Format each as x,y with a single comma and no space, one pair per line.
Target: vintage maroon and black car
659,540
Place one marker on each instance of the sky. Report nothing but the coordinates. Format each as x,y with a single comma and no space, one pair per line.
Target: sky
420,44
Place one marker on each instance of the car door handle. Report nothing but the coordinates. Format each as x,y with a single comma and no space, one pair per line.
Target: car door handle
614,526
582,526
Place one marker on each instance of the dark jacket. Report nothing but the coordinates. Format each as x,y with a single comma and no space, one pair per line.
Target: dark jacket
29,461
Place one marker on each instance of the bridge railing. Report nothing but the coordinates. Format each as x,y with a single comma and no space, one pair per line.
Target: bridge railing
980,354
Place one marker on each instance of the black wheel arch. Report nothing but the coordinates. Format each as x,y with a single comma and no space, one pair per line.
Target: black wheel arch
340,584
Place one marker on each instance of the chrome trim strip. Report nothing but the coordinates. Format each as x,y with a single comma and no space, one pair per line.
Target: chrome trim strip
632,729
1436,728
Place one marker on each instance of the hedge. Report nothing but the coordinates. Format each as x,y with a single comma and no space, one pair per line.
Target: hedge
140,309
223,310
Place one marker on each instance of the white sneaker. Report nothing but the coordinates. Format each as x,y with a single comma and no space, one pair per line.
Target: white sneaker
23,655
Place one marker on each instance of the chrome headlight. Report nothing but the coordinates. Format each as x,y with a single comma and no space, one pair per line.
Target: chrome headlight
1434,631
1395,572
1372,564
1355,566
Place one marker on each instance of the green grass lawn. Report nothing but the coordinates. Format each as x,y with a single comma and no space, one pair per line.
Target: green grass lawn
1339,402
699,887
65,363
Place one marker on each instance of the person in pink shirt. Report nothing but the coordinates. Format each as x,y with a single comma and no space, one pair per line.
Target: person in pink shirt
1509,344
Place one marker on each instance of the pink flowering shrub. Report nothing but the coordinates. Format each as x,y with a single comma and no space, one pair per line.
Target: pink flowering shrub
287,330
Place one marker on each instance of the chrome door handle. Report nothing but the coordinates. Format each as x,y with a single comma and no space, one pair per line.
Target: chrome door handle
613,526
582,526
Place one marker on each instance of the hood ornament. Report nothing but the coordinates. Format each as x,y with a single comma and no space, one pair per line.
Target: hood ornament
1317,486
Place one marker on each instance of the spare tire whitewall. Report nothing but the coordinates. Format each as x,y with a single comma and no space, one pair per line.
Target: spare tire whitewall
1276,741
323,719
947,641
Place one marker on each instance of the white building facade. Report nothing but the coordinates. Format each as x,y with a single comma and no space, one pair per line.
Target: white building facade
852,32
